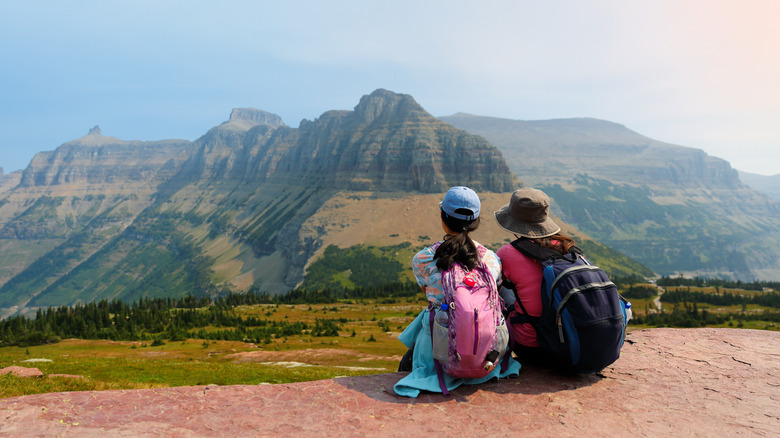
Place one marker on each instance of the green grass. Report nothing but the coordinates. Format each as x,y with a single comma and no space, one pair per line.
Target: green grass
361,265
107,365
12,386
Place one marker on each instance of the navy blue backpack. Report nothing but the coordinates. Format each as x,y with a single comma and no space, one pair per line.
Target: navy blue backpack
583,322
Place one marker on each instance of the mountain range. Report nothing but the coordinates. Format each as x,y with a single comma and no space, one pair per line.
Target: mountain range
254,204
674,208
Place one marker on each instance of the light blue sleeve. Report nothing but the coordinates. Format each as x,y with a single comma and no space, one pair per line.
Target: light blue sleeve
427,274
494,264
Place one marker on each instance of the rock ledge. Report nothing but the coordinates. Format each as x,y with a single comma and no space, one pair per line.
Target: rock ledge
668,382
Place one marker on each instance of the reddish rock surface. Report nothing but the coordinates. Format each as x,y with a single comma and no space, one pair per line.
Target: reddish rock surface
22,371
668,382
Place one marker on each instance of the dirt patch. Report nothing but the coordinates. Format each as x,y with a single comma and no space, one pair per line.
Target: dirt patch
301,364
354,218
154,353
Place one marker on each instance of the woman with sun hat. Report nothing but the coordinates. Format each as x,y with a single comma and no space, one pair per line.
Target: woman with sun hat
527,217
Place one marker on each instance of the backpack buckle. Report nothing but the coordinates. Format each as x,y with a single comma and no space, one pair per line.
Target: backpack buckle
469,280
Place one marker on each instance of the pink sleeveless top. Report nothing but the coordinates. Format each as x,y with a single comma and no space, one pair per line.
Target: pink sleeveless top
526,274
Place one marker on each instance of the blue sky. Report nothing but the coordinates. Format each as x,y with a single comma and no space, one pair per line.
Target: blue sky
694,73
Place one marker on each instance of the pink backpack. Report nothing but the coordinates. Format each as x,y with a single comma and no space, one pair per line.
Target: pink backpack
477,335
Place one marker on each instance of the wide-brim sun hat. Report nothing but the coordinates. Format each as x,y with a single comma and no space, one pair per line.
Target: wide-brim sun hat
527,214
458,198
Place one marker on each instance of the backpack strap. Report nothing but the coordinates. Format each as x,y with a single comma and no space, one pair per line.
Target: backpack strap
524,317
543,253
508,353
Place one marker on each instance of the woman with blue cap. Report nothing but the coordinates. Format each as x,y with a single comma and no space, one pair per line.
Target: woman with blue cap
459,215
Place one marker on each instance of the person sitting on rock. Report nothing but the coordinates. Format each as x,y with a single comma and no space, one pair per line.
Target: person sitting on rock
527,216
459,216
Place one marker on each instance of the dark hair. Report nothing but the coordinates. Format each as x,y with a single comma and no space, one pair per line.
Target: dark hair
558,242
458,248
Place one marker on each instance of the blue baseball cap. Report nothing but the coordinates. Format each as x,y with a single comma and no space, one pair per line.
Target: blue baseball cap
461,197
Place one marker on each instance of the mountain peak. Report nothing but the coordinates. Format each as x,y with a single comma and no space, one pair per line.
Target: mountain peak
255,115
386,105
95,137
244,119
390,143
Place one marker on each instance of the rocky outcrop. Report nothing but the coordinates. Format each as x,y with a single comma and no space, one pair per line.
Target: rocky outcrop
226,151
250,117
541,150
681,167
388,143
21,371
667,382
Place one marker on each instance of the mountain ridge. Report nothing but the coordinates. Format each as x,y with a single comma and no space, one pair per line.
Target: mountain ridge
228,211
769,185
252,203
602,139
674,208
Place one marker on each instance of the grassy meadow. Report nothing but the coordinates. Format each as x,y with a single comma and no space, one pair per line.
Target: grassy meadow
366,344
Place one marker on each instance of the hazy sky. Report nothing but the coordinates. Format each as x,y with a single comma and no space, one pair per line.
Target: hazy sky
697,73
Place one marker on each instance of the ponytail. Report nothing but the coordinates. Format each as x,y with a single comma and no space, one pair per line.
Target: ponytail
558,242
458,248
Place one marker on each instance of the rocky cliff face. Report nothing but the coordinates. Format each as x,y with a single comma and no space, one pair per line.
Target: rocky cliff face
280,176
388,143
129,219
546,149
227,151
71,202
245,118
97,159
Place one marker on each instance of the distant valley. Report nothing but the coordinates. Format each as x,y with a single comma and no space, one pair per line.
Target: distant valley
673,208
